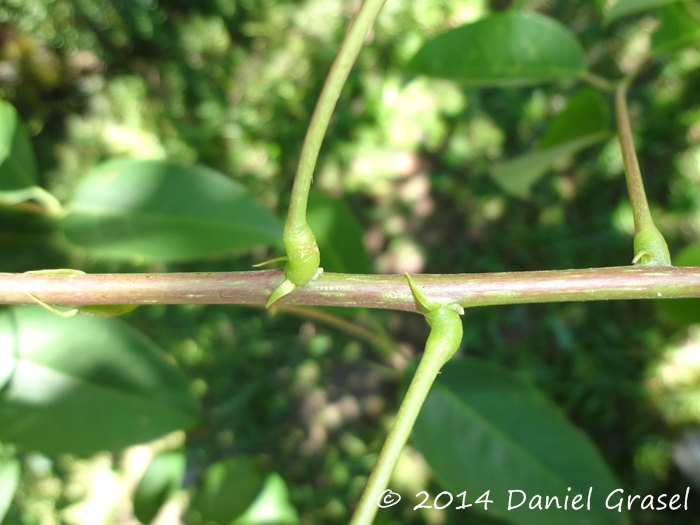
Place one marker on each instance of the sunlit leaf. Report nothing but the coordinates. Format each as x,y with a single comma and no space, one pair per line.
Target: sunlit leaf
586,114
517,176
483,428
229,488
678,29
339,235
584,121
10,470
85,384
512,48
682,311
157,210
160,480
272,506
623,8
18,168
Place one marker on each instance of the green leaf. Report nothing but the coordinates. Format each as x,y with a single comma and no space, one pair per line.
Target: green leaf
162,478
338,234
153,209
85,384
678,29
17,163
682,311
517,176
586,114
272,506
504,49
10,470
229,488
483,428
624,8
584,121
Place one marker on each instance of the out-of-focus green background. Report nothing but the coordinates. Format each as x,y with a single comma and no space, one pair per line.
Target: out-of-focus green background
231,84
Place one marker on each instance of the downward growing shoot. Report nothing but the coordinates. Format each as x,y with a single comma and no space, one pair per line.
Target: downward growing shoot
443,341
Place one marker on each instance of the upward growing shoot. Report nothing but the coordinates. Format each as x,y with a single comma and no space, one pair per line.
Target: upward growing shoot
649,245
303,256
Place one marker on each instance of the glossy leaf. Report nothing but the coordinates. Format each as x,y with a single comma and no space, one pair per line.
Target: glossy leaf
272,506
160,480
18,168
338,234
10,470
157,210
512,48
623,8
682,311
83,384
483,428
229,488
584,121
678,29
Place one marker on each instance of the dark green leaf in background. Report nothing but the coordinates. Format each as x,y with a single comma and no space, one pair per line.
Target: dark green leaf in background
679,28
504,49
10,470
229,488
338,234
82,385
131,208
18,168
160,480
623,8
584,121
682,311
483,428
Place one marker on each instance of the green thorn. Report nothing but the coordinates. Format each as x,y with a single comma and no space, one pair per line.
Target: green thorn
276,259
69,313
283,289
424,304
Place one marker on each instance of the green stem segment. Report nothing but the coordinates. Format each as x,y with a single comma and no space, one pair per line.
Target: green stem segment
302,251
650,247
443,341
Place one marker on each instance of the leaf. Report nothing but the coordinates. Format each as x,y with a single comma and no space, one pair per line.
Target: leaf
229,488
272,506
10,470
18,168
682,311
498,433
85,384
623,8
504,49
584,121
678,29
586,113
517,176
162,478
338,234
153,209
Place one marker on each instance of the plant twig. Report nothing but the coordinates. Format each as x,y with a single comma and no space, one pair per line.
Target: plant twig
368,291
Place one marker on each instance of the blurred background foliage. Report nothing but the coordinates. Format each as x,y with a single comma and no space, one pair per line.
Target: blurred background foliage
231,84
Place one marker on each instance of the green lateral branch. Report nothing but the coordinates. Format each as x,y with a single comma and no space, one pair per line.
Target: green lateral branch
650,247
299,241
443,341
